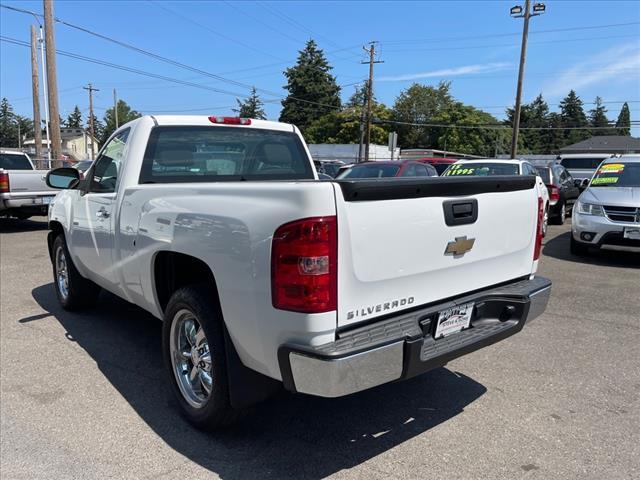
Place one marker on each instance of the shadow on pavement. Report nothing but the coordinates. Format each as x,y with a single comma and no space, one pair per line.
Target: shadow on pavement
289,436
558,247
13,225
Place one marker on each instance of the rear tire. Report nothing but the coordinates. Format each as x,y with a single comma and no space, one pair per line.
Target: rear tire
194,355
561,217
578,248
73,290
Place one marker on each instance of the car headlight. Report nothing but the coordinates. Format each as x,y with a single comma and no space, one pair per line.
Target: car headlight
590,209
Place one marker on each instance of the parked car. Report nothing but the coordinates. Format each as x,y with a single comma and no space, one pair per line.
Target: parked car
325,288
563,191
582,165
439,163
328,167
492,166
384,169
23,191
607,214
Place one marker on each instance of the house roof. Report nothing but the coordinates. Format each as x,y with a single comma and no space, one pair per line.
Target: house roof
605,144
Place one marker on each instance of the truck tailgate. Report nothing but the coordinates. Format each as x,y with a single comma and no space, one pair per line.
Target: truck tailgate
393,237
23,182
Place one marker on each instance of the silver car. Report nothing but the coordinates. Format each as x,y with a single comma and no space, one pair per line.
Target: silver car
607,214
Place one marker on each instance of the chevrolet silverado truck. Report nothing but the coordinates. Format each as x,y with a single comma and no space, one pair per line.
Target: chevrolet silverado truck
23,191
266,277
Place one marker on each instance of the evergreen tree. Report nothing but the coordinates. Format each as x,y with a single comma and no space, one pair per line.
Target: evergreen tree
251,107
98,129
125,115
534,114
623,124
8,125
313,91
598,118
573,116
74,120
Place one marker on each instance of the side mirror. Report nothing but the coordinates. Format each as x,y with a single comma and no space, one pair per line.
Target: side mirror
577,182
63,178
584,183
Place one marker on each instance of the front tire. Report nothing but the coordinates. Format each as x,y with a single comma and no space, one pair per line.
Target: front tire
73,290
194,355
578,248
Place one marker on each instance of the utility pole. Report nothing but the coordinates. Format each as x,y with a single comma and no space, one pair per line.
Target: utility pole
35,91
115,107
91,126
372,60
517,12
54,114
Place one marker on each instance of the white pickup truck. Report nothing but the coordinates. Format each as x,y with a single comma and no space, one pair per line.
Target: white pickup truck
265,276
23,191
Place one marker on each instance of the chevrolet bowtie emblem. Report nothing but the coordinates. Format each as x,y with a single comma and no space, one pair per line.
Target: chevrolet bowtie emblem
460,246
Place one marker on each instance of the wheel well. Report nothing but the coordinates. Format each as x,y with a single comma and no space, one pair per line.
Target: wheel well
56,229
175,270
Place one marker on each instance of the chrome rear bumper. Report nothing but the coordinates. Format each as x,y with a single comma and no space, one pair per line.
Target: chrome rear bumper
403,346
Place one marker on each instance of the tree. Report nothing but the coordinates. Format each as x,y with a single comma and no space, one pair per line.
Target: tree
313,91
475,141
573,117
598,118
98,129
251,107
535,115
8,125
420,104
74,120
125,114
623,124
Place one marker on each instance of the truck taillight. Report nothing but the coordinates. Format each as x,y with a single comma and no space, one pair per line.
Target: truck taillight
554,193
538,246
4,182
304,268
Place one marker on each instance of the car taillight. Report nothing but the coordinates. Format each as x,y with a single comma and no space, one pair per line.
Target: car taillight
538,246
230,120
554,193
304,268
4,182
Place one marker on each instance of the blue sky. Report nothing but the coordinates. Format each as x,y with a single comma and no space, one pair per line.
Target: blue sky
475,45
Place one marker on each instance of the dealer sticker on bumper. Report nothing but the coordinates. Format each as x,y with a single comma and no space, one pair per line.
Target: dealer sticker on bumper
453,320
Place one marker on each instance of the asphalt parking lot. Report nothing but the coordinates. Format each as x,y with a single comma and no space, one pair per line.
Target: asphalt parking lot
84,395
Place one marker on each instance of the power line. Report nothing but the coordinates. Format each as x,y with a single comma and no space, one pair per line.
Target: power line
514,34
493,126
544,42
159,77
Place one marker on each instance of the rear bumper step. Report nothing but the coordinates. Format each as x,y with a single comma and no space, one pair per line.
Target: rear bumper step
403,346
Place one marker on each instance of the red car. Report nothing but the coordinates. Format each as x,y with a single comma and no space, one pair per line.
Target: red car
439,163
403,168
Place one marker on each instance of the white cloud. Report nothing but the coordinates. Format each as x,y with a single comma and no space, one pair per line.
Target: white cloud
619,64
448,72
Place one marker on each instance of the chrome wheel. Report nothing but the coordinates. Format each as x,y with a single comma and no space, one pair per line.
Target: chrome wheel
191,358
545,222
62,273
563,212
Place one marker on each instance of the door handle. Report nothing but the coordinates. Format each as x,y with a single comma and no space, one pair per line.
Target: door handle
102,213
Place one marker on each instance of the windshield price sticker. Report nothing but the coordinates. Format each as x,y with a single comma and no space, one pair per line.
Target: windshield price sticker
611,168
457,169
604,180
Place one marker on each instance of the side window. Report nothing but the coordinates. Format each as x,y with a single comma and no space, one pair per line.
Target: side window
528,169
421,171
410,171
104,176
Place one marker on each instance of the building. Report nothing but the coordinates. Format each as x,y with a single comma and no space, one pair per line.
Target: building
76,144
348,152
605,144
413,153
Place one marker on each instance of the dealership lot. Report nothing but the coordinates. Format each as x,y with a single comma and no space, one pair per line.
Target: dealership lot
84,395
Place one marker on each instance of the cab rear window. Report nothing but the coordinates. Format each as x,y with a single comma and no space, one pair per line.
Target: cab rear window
14,161
481,169
216,153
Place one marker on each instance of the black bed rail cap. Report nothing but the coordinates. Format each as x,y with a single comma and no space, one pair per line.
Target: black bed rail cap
369,189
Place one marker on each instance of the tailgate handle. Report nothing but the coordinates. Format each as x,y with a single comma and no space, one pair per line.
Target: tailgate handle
460,212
